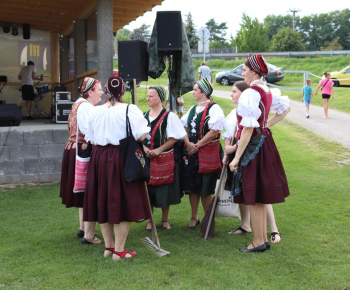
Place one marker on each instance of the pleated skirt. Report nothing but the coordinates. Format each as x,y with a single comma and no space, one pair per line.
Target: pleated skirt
108,197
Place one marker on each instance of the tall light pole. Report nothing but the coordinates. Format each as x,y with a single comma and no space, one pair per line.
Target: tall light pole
294,11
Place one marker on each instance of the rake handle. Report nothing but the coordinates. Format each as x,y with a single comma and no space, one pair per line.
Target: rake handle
154,230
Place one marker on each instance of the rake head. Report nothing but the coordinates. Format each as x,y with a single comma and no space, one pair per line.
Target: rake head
152,246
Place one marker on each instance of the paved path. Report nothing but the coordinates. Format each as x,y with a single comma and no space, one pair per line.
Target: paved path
336,127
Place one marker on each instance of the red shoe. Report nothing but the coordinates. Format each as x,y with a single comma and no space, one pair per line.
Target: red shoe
111,250
122,254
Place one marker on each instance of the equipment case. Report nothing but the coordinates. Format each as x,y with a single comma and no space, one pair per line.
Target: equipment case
63,96
62,111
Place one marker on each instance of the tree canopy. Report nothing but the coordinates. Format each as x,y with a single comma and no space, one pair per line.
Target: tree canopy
251,37
287,39
217,31
191,31
142,33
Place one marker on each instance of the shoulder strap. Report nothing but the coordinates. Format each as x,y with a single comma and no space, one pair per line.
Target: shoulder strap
325,83
128,127
156,127
202,120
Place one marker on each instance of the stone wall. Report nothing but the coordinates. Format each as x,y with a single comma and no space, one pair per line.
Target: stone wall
32,153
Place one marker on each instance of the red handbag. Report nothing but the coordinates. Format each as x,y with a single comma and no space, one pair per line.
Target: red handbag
209,155
162,167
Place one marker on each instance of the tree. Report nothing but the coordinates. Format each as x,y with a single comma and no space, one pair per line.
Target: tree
141,33
123,34
191,31
273,23
333,45
217,31
287,39
251,37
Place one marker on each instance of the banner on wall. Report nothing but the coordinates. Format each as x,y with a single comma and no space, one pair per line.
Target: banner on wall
38,52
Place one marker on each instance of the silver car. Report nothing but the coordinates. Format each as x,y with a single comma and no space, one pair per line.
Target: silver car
226,78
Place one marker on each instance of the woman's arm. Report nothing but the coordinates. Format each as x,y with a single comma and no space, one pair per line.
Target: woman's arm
168,144
319,85
228,150
276,118
207,138
243,142
332,90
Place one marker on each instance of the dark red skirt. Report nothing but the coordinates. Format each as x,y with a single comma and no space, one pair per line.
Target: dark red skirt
263,178
69,198
108,197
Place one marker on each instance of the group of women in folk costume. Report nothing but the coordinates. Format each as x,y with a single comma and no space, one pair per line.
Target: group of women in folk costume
192,167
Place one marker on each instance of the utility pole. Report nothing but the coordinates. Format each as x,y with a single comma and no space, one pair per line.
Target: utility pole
294,11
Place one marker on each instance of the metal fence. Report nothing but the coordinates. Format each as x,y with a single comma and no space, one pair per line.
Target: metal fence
288,54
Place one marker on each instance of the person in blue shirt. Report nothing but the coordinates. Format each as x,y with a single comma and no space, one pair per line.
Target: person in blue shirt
307,96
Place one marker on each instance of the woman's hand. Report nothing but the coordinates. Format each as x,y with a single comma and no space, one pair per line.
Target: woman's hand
229,149
154,153
225,160
234,164
191,148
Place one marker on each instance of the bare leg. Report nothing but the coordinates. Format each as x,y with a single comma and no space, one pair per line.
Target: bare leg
28,105
325,107
81,222
89,230
149,225
194,201
258,217
107,233
165,217
206,200
307,110
121,232
272,223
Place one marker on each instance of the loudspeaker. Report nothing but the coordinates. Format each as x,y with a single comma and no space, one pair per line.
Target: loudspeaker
169,30
26,31
133,60
10,115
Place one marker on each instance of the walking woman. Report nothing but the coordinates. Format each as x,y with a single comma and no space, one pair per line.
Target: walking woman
166,128
110,200
259,178
327,91
203,123
90,95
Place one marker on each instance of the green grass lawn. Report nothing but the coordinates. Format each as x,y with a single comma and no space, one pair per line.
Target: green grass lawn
39,248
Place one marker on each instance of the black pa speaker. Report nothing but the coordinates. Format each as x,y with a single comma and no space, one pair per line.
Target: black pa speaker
10,115
26,31
133,60
169,30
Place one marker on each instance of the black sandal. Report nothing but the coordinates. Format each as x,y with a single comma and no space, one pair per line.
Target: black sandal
273,237
148,230
166,228
239,229
194,226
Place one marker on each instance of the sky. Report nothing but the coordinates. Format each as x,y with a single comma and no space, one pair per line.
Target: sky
231,11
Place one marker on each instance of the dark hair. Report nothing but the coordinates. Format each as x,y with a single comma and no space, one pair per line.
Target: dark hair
203,63
241,85
326,74
30,63
246,62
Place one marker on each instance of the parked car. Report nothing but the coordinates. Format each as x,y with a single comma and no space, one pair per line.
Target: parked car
337,77
226,78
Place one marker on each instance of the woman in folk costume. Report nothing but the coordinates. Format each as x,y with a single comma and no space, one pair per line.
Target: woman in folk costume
90,94
166,128
109,199
203,123
259,175
231,129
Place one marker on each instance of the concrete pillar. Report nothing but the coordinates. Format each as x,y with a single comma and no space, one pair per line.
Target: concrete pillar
79,50
64,58
104,40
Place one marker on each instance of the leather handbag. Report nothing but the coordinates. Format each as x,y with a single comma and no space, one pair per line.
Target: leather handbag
133,157
162,167
81,168
209,155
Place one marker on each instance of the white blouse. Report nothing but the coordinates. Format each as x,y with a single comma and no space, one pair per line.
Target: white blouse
83,114
217,117
107,125
174,128
248,105
230,124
